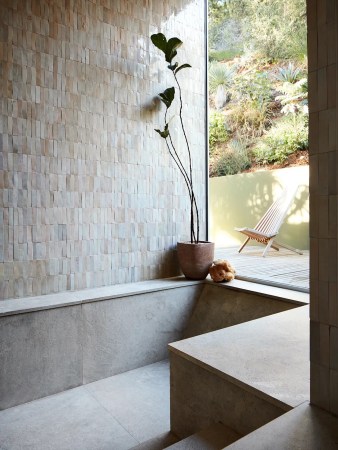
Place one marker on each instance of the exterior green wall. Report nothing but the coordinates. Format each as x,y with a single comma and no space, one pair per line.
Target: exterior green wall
241,200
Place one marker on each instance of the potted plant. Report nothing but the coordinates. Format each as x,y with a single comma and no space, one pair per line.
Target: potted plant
196,256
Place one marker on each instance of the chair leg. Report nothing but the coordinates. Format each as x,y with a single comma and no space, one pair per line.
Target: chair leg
288,247
244,244
267,248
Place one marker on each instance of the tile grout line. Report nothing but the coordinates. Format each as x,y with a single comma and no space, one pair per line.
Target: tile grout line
109,412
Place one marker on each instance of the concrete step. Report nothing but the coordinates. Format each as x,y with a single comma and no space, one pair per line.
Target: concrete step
304,428
215,437
159,442
242,376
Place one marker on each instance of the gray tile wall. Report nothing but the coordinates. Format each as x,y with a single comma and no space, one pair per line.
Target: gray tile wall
88,195
131,332
49,351
40,354
323,38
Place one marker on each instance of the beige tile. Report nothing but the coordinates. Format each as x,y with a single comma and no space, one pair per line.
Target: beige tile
313,89
323,168
322,210
334,392
314,342
334,348
323,259
332,260
331,83
332,231
322,43
333,304
320,386
312,35
313,137
332,30
323,302
314,299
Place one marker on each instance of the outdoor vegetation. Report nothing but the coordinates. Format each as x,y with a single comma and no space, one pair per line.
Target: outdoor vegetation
258,85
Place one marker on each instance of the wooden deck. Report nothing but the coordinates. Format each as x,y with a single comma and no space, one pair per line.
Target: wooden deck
279,268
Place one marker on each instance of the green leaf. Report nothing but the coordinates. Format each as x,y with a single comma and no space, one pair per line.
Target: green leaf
165,133
183,66
160,41
170,93
171,47
167,96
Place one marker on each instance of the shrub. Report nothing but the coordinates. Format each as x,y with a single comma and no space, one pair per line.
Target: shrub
217,131
234,159
248,119
253,86
284,138
277,29
294,97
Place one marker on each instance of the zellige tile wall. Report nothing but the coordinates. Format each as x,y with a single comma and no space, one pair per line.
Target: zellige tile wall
89,196
323,39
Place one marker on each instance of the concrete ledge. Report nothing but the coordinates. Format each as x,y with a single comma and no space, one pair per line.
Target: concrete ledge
68,298
29,304
278,293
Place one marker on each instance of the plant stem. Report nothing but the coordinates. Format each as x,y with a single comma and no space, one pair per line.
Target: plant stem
173,153
194,237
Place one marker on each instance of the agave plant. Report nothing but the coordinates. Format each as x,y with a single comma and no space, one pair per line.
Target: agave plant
290,73
220,80
169,48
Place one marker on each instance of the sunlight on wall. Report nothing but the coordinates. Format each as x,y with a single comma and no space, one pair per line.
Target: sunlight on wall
241,200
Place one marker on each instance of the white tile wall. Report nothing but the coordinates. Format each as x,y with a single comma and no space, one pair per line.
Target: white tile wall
89,196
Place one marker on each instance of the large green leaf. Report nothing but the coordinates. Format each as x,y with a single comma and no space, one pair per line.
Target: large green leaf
183,66
165,133
160,41
167,96
170,93
171,47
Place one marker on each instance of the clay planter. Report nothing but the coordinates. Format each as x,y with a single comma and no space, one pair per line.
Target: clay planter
195,259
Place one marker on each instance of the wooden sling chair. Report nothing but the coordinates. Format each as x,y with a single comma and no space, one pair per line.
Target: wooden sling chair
267,228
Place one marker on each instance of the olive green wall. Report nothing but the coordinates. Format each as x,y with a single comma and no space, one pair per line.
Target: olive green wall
241,200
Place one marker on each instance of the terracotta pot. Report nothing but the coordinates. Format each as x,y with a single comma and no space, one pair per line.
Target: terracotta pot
195,259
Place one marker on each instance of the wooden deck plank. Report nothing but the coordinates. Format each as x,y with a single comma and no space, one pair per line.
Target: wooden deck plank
282,268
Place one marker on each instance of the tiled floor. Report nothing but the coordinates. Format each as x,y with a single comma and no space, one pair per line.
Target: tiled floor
279,268
116,413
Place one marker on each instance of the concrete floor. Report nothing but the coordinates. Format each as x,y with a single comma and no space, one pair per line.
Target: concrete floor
116,413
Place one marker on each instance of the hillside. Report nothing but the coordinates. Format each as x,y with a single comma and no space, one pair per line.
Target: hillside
258,89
